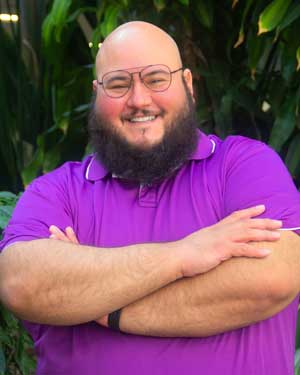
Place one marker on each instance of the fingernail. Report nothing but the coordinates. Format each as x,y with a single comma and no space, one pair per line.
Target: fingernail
261,207
265,252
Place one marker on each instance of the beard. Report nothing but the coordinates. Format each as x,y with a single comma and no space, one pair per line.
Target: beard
151,165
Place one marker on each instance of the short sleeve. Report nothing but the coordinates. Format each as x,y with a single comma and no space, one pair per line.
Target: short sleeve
44,202
254,174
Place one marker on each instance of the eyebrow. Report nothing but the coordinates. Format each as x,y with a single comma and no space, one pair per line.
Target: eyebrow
117,78
155,72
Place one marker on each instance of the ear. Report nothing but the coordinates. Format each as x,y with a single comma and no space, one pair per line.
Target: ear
95,84
187,75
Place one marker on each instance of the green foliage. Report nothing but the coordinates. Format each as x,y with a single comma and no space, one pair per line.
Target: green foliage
42,87
55,21
245,59
272,15
297,362
16,351
244,55
8,201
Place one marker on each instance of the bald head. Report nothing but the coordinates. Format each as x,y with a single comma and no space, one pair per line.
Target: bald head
137,44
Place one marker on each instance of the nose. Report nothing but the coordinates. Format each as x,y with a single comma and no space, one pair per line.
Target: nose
139,94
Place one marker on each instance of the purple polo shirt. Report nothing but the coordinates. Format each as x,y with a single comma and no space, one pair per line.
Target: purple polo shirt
221,177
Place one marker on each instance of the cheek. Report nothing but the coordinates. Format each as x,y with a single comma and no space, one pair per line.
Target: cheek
171,100
108,108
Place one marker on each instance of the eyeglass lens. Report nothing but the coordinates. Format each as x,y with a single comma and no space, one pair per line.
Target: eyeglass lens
156,78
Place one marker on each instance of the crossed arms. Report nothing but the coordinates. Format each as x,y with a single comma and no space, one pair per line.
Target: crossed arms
183,288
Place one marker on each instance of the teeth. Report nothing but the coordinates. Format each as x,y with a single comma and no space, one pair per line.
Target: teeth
142,119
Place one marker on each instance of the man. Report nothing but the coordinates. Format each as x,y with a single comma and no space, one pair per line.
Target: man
157,212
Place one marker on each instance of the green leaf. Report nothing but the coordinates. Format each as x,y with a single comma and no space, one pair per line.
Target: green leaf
8,318
7,203
159,4
297,362
256,46
2,361
288,67
7,196
184,2
56,20
205,13
23,356
272,15
244,98
241,36
3,221
110,19
292,159
72,17
96,39
223,115
52,158
6,210
298,58
292,14
33,168
284,124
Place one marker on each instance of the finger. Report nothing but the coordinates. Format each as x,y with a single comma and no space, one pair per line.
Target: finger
264,223
246,213
71,235
250,251
257,235
57,234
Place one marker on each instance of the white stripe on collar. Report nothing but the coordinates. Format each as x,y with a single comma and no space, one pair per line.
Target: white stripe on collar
295,228
116,176
88,168
213,146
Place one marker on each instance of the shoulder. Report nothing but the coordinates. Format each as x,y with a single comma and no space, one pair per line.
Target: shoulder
70,174
238,146
241,153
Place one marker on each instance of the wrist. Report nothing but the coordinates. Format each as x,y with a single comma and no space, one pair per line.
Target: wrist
114,320
177,251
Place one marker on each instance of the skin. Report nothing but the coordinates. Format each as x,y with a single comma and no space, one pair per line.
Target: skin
113,56
43,280
154,315
47,281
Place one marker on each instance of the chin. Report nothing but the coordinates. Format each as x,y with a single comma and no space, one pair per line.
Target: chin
145,139
144,143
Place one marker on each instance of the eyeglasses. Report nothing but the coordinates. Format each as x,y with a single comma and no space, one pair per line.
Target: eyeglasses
155,77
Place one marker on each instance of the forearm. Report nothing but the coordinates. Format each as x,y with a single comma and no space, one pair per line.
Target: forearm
58,282
54,282
237,293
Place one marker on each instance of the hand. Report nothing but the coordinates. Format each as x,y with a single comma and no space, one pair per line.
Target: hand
103,321
231,237
67,236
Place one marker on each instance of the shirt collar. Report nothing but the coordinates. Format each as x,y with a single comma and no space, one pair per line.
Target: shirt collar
95,170
206,147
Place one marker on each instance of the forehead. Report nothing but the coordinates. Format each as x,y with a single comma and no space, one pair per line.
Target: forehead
128,50
144,70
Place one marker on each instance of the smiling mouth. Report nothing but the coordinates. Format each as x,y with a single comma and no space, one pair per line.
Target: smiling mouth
142,119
